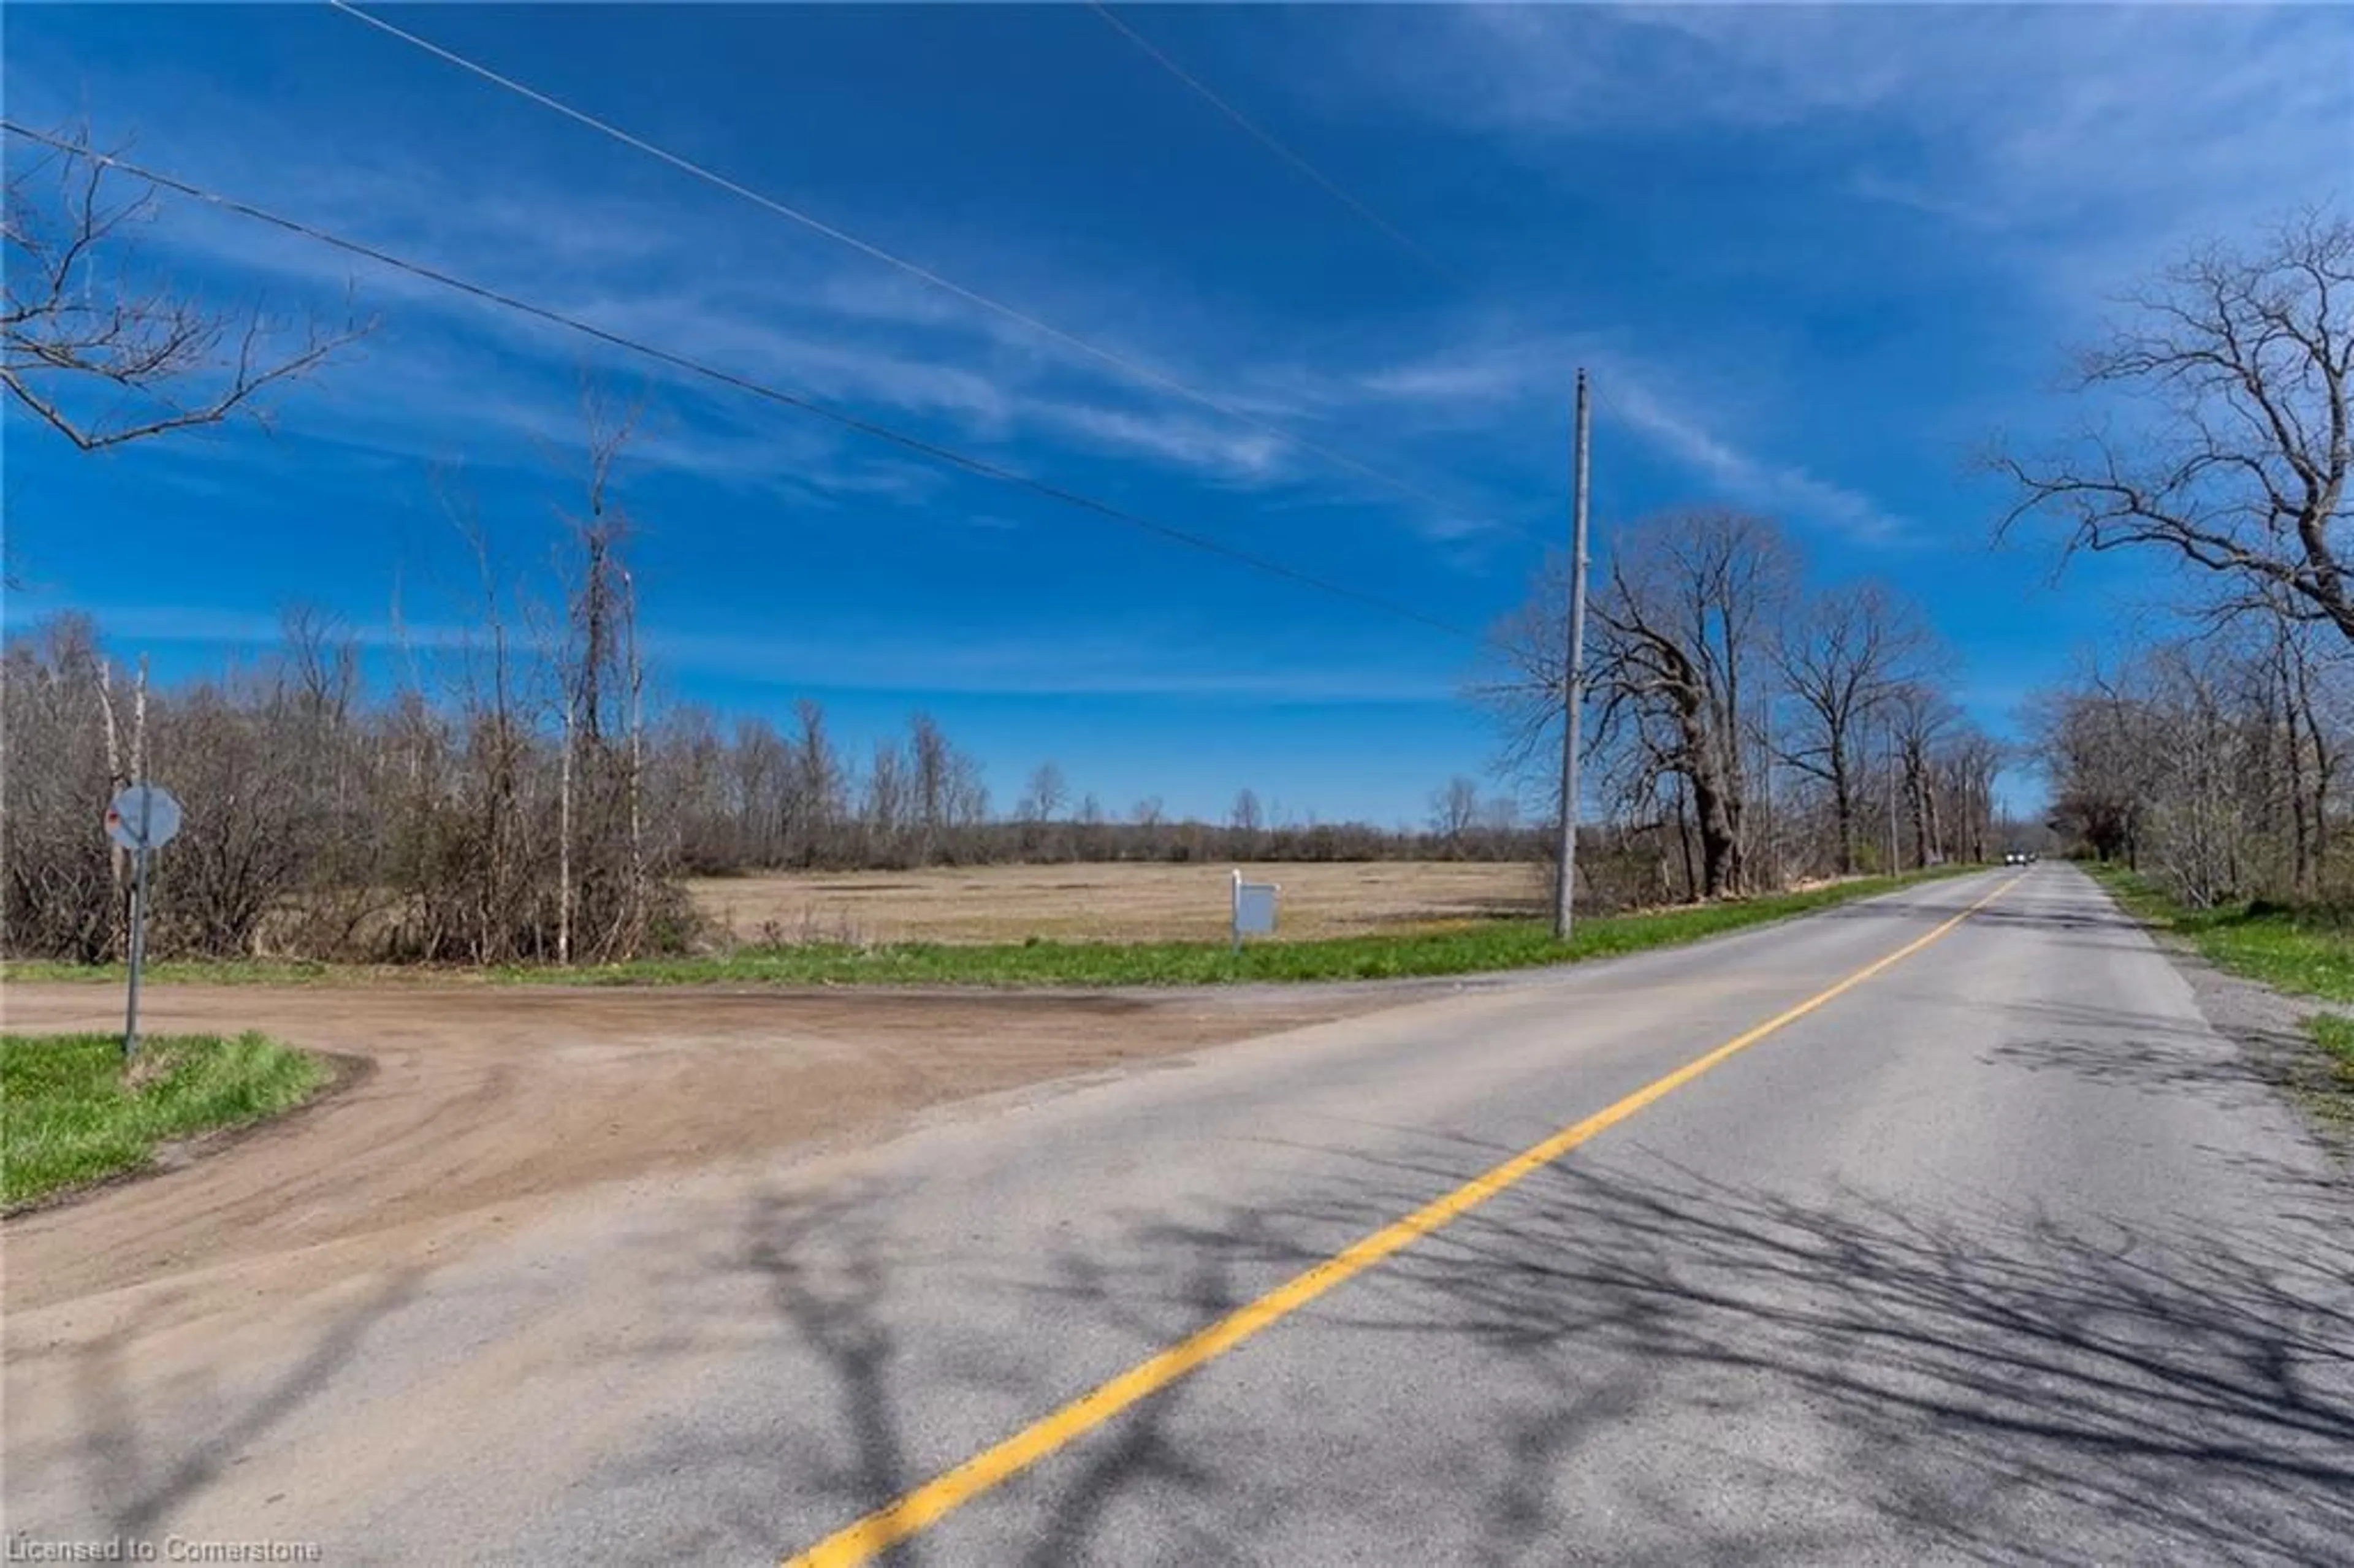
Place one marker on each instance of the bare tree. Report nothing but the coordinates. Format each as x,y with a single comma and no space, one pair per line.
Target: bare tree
1965,768
1091,835
1921,717
478,873
931,777
58,892
1454,810
761,763
1034,814
2103,748
604,885
886,809
1681,673
1045,795
1840,658
2244,356
818,801
1247,817
1682,625
98,353
1149,836
2308,746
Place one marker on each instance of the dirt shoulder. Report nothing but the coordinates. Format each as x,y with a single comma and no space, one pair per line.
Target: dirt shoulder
480,1106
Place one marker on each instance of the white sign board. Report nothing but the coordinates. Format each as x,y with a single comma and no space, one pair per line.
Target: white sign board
1254,908
144,816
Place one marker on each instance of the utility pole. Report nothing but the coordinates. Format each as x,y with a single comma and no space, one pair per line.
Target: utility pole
1574,686
1772,857
1892,866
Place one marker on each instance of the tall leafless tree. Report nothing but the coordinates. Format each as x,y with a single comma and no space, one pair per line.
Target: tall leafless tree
2102,747
2305,679
1045,795
1920,718
819,802
1454,810
2242,357
884,814
1042,803
58,892
601,835
1247,819
1683,625
1839,657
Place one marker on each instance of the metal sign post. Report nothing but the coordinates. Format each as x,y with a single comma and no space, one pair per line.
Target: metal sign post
142,818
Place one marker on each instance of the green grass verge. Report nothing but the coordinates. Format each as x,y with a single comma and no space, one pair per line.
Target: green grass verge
200,972
67,1117
2303,952
1488,945
2334,1033
2309,953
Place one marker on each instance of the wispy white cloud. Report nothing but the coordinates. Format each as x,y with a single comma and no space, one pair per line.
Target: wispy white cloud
449,371
842,339
1873,185
1746,478
1234,453
1470,383
1478,376
2087,137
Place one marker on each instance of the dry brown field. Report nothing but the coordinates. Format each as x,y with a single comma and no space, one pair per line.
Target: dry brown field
1107,903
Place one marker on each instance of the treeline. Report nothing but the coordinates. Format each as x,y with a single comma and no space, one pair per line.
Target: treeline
519,801
758,798
519,797
1744,728
2215,762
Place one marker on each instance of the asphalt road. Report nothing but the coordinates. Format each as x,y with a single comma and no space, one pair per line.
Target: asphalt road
1999,1254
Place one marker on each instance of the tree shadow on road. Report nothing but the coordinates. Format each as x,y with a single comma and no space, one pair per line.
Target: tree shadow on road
137,1464
1999,1383
2104,929
1985,1366
2152,1052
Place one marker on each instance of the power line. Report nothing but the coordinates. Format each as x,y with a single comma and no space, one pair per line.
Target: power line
1332,187
933,450
1160,379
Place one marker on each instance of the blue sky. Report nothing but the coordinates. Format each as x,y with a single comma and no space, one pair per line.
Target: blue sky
1813,257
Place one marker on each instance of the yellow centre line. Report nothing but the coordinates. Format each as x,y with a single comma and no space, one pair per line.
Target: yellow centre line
898,1520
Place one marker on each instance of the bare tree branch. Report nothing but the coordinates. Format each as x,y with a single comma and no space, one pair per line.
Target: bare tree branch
79,318
2242,360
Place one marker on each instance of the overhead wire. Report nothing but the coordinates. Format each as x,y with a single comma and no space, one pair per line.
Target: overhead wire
921,446
1330,186
1130,367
